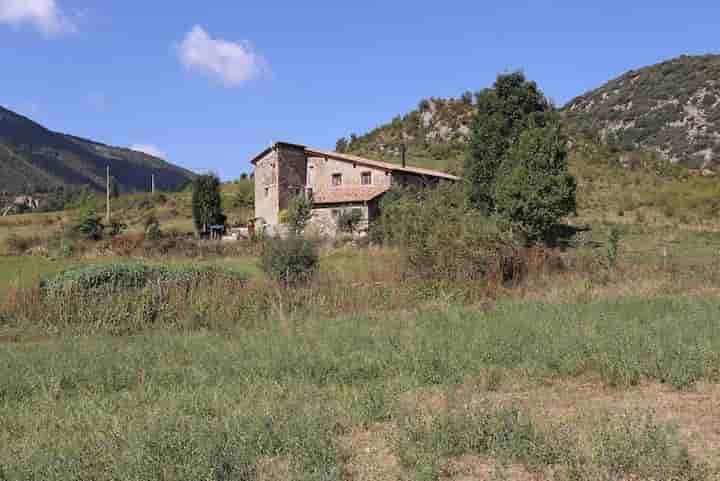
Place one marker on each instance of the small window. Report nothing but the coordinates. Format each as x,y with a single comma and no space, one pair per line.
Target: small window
366,178
267,191
337,179
357,213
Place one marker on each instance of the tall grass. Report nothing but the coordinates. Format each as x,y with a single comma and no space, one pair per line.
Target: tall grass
278,395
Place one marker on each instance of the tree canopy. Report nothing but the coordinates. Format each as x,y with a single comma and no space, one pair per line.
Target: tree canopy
503,113
207,203
516,163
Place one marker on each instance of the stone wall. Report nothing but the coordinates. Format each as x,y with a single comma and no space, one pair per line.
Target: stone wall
324,220
266,188
321,170
292,173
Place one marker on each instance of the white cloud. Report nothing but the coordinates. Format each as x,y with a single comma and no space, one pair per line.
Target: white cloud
230,62
43,14
149,149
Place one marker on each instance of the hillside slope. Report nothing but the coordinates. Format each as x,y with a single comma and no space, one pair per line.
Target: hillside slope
672,108
34,158
435,134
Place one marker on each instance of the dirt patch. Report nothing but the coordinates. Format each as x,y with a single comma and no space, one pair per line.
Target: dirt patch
474,468
369,456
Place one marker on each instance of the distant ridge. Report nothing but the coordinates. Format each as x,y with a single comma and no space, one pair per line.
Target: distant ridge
33,158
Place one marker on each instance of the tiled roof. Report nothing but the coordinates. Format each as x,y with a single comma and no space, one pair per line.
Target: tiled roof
361,160
383,165
341,195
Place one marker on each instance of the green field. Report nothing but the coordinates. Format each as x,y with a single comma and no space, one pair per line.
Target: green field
576,370
303,399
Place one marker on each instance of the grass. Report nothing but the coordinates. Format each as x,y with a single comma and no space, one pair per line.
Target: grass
281,395
339,380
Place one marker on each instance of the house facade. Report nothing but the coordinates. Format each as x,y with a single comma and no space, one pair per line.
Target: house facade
334,181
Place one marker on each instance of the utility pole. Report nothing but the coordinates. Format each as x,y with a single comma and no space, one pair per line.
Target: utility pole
107,189
152,184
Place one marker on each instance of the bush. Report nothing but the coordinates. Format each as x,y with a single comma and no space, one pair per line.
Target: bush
87,223
348,220
299,214
290,260
118,277
440,235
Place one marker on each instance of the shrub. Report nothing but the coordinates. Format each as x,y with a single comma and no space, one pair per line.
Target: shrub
348,220
60,246
116,228
118,277
440,235
290,260
152,227
299,214
87,223
613,246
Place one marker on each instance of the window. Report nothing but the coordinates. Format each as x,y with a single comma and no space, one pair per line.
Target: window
267,191
366,178
337,179
335,213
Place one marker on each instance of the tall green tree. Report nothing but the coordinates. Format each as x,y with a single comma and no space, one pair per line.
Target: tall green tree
207,203
503,113
533,188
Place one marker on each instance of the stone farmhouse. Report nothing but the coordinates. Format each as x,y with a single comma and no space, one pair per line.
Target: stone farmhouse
334,181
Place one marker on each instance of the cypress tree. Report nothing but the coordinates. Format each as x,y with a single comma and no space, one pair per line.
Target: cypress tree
206,203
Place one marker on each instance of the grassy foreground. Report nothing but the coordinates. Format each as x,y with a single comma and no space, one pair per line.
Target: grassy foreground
352,398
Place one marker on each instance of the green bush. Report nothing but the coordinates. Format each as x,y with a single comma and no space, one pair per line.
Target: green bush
118,277
290,260
348,220
299,214
440,235
87,223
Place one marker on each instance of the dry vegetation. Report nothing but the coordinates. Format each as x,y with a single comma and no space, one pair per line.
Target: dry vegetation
574,369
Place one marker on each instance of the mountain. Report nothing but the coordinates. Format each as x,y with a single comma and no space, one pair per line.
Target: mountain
33,158
672,108
435,134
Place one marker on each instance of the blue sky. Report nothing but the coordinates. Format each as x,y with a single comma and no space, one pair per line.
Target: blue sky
210,83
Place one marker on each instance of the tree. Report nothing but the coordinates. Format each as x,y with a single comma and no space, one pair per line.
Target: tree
87,223
299,214
207,203
503,113
341,145
534,188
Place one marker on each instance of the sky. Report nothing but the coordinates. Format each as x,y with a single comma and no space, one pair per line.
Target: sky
207,85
